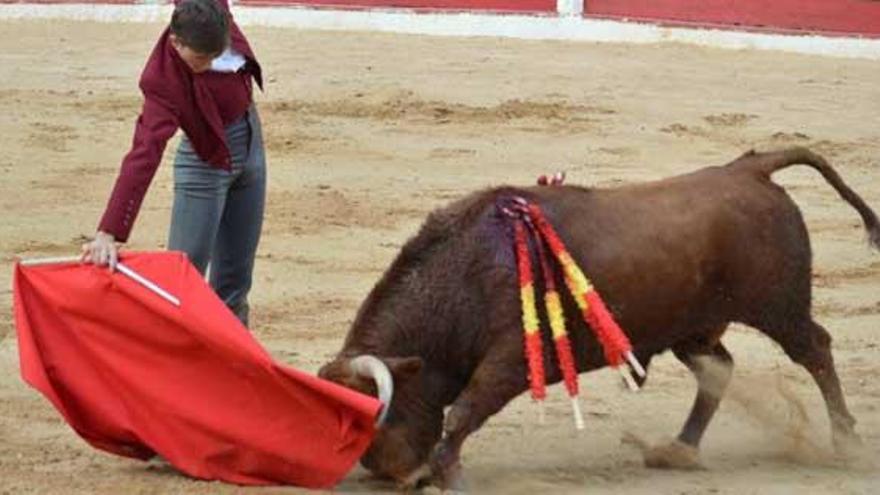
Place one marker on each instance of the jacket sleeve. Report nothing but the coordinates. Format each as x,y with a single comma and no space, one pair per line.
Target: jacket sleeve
155,126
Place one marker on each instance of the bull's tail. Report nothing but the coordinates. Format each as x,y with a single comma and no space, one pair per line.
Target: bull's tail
767,163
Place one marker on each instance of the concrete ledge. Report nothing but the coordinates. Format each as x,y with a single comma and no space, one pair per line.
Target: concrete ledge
540,27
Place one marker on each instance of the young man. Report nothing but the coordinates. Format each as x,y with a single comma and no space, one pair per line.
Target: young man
199,79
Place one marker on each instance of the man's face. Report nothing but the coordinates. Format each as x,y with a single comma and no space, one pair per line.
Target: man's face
197,62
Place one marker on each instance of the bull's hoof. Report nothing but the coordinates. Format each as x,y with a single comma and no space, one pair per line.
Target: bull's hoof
674,455
420,477
849,448
451,480
446,469
435,491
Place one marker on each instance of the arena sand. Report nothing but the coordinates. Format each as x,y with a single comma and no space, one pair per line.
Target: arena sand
367,133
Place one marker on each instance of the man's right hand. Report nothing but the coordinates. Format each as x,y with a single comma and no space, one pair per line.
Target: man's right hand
102,250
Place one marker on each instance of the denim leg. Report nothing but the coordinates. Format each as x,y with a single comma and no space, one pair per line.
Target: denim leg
240,226
199,200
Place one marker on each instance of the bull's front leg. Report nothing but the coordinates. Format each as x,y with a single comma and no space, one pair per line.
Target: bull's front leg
499,378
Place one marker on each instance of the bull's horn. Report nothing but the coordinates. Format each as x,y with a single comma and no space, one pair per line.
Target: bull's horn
372,367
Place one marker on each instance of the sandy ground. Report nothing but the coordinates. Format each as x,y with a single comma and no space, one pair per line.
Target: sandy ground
366,134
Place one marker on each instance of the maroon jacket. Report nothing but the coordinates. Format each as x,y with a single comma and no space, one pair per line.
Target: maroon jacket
174,98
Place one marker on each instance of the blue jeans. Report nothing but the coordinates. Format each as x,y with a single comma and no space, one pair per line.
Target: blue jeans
218,214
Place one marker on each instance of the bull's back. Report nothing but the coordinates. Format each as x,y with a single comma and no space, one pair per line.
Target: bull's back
684,254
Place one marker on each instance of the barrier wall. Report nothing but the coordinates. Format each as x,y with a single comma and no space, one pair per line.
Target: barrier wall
501,6
859,17
519,6
834,17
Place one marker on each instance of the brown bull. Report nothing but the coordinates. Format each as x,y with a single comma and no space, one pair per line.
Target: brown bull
676,260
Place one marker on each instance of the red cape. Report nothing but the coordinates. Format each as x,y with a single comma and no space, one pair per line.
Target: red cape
136,376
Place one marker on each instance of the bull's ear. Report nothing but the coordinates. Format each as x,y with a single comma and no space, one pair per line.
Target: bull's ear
404,368
339,371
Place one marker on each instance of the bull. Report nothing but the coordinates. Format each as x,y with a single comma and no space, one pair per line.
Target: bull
677,261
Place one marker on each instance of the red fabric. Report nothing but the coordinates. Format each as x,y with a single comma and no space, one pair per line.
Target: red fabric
567,364
614,341
534,349
524,263
135,375
563,345
552,239
236,88
535,359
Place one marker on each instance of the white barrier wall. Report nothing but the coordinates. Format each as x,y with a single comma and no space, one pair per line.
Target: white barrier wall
456,23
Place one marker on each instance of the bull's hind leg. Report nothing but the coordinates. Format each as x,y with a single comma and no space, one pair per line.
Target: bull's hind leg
809,344
712,370
499,378
712,366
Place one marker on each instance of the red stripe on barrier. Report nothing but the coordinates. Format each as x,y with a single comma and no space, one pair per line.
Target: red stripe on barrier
543,6
500,6
860,17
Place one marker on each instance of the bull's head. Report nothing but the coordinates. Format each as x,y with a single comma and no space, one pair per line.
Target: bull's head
406,430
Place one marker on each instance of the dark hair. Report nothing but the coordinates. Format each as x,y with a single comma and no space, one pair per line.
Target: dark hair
201,25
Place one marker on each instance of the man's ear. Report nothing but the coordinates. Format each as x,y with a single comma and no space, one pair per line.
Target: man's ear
404,368
175,41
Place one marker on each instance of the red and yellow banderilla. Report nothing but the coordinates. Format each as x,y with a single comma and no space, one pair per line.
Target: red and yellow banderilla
529,219
556,316
531,327
614,341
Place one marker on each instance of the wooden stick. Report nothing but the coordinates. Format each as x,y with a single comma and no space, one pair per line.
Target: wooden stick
125,270
624,372
578,415
49,261
636,365
148,284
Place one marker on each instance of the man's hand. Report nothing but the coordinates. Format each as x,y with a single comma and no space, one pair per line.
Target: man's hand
101,251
